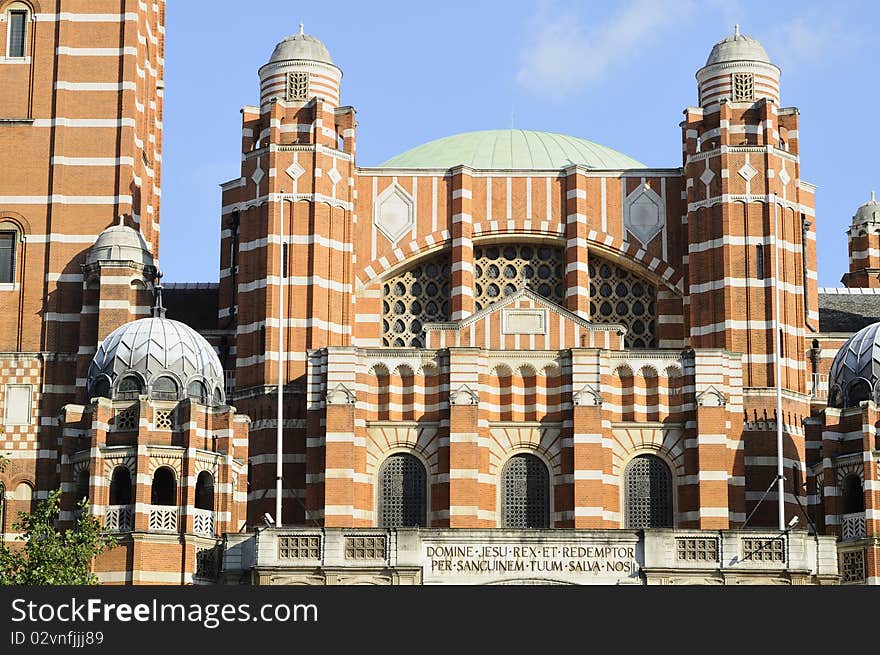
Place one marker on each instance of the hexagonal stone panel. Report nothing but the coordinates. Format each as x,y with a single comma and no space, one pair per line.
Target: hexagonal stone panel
393,213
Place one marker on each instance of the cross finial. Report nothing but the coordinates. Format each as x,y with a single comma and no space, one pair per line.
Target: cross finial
873,198
158,308
736,31
301,29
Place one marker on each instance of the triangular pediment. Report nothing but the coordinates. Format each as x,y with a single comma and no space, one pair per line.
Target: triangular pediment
524,319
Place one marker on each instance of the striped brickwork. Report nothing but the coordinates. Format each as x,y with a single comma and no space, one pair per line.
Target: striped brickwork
81,122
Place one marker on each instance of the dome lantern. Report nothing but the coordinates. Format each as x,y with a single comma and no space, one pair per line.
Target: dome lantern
738,69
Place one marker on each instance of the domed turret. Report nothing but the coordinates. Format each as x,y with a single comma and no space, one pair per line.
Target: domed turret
300,69
856,369
120,243
738,70
867,213
160,358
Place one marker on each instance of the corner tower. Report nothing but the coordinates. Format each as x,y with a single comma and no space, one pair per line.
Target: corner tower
298,151
864,247
745,199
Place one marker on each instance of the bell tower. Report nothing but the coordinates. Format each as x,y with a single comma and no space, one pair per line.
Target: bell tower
298,158
747,209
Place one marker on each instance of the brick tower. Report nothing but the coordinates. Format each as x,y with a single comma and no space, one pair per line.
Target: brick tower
741,155
81,146
864,247
297,149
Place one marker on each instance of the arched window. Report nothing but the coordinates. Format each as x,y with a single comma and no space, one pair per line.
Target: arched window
198,392
9,237
858,391
648,484
402,492
82,485
24,494
619,296
165,388
129,387
525,493
164,491
853,494
218,397
101,388
418,296
120,486
205,491
17,16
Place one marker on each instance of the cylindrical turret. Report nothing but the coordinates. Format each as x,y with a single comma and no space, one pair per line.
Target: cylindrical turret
738,70
300,69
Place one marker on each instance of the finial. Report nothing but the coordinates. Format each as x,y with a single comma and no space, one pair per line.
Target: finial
873,198
121,219
158,308
736,31
301,29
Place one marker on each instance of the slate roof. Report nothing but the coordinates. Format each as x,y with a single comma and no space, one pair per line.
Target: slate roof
193,303
847,312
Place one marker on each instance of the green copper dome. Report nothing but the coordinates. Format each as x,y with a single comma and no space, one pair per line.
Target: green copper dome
512,149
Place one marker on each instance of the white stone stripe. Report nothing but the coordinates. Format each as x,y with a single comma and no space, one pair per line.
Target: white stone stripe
95,52
92,161
84,122
86,18
95,86
65,200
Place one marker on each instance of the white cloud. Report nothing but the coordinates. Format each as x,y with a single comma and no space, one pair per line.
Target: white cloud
814,37
561,55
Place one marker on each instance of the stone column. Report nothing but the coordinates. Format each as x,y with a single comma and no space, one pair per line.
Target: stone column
467,459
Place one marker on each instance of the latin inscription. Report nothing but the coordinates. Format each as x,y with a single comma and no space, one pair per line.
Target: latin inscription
500,559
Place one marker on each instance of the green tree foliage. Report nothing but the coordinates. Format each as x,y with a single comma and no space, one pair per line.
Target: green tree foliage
52,557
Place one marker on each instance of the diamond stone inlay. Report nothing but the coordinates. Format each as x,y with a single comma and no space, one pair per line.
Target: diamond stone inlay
707,177
334,176
295,171
747,172
784,177
258,176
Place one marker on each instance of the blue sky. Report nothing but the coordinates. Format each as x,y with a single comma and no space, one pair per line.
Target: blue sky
618,73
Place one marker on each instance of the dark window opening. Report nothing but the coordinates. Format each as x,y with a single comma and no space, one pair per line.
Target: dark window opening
17,33
8,241
82,486
165,389
198,392
120,486
403,495
164,491
525,493
759,261
648,483
205,491
853,495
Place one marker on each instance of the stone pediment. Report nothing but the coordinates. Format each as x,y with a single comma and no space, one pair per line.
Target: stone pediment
524,320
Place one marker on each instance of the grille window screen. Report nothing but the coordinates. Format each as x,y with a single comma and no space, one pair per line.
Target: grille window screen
648,493
402,497
500,271
297,87
743,87
618,296
7,257
525,493
17,33
419,296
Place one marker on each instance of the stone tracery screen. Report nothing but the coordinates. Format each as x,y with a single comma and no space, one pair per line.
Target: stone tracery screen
421,294
503,270
418,296
618,296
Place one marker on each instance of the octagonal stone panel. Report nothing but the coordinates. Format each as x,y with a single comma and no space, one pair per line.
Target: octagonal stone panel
644,214
394,213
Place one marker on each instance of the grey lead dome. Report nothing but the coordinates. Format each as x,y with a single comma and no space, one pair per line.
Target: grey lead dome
737,47
301,47
159,357
120,243
856,369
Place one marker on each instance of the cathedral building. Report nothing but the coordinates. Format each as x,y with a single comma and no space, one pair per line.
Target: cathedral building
502,356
